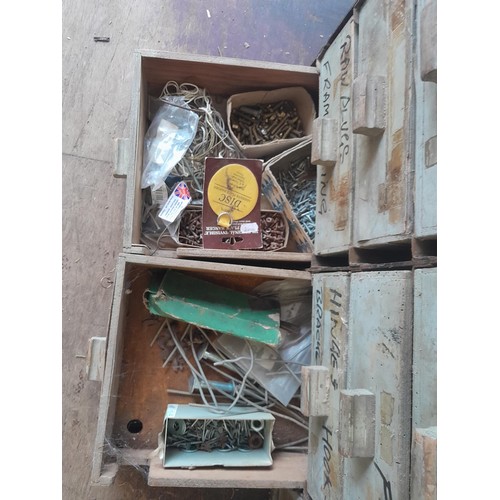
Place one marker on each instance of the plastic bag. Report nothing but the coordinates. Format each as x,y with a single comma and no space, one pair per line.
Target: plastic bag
168,138
278,369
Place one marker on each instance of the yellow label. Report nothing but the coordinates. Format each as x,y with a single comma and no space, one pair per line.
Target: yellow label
233,190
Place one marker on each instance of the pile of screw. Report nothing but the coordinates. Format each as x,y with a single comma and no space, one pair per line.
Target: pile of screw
273,231
247,392
272,225
209,435
260,123
299,187
190,228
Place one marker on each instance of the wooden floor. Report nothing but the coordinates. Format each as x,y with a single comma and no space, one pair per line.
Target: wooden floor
96,105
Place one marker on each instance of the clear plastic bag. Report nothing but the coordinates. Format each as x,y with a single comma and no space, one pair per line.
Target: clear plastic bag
168,138
278,369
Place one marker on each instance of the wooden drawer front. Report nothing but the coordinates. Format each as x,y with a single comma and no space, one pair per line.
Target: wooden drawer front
334,189
424,413
325,478
425,132
382,124
362,329
425,349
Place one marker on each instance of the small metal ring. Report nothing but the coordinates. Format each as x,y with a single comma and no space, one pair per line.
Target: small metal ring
191,449
255,441
225,214
257,425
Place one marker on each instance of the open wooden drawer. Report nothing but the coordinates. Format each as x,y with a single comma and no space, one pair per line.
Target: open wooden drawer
221,78
134,394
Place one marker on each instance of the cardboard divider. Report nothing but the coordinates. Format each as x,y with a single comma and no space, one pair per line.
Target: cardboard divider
272,190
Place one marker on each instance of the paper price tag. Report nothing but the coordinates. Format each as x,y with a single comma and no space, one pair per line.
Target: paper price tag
249,228
176,203
171,411
160,195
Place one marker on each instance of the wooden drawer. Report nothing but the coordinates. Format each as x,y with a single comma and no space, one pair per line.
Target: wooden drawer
373,139
221,77
362,332
383,111
424,387
366,329
365,138
134,394
426,122
334,196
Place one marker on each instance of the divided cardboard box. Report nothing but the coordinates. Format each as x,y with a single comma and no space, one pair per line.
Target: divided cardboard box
303,104
274,191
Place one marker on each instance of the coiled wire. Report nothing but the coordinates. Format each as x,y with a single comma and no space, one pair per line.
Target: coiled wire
212,137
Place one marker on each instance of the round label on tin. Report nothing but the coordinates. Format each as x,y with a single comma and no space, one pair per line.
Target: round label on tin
232,193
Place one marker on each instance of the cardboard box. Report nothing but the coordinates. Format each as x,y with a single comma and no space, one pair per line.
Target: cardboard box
193,215
274,193
305,109
177,415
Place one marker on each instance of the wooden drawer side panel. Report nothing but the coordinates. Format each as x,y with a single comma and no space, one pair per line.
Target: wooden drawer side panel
110,384
425,141
334,188
329,343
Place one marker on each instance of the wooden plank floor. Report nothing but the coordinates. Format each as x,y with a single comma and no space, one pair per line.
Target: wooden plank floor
96,106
